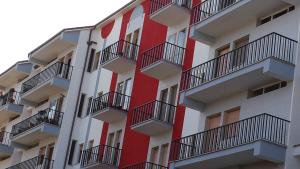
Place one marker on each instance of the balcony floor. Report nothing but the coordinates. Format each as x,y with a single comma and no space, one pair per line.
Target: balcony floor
171,15
152,127
44,91
32,136
233,17
119,65
10,111
267,71
242,155
161,70
110,115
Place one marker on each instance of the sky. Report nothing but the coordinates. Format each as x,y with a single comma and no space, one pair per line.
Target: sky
25,24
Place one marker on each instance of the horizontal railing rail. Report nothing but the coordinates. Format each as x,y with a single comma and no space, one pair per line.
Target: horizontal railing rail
5,138
12,97
58,69
146,165
155,110
157,5
208,8
34,163
165,51
121,48
49,116
270,46
101,154
263,127
110,100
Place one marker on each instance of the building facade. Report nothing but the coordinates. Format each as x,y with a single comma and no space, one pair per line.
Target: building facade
179,84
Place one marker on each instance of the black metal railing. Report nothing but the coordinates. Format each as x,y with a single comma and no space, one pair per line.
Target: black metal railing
101,154
165,51
49,116
157,5
146,165
58,69
270,46
121,48
155,110
209,8
110,100
34,163
10,97
262,127
5,138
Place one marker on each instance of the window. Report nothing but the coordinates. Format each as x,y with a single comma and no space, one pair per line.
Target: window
163,159
81,103
71,154
275,15
80,152
96,61
91,59
154,155
267,89
90,99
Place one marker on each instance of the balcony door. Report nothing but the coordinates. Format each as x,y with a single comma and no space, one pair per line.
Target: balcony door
132,39
175,53
154,155
162,106
2,135
212,136
222,61
231,129
240,52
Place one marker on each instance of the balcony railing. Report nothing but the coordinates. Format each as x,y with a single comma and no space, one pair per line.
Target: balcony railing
165,51
101,154
48,116
155,110
270,46
34,163
209,8
111,100
146,165
157,5
56,70
263,127
120,49
10,97
5,138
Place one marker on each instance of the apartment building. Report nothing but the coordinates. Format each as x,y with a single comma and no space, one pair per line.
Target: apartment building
178,84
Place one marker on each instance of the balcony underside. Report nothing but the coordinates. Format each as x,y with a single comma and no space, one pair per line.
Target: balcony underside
10,111
242,155
152,127
162,69
42,92
265,72
5,151
49,51
110,115
233,17
100,166
34,135
119,65
171,15
12,76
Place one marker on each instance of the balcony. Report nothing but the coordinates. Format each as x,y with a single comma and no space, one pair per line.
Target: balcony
120,57
110,107
5,148
263,61
211,15
153,118
53,80
34,163
146,165
259,138
44,125
101,157
163,61
9,106
14,74
170,12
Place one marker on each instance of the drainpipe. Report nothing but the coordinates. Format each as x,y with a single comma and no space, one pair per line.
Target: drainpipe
78,96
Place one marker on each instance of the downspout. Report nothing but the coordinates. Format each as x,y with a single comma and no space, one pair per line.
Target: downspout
78,96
